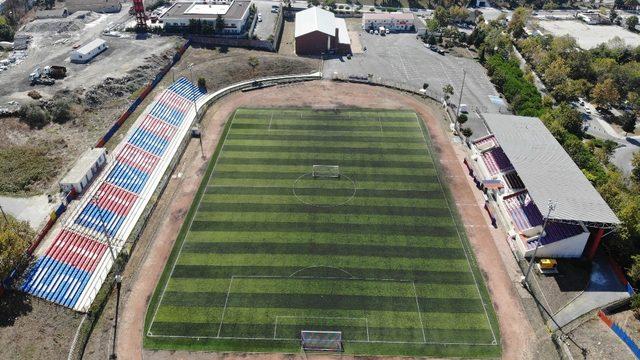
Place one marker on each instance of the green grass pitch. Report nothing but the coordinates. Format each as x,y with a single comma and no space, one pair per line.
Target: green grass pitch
267,250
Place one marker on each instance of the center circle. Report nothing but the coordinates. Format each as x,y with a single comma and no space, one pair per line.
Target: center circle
324,191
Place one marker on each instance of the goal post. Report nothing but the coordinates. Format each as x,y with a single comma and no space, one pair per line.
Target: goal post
326,171
313,340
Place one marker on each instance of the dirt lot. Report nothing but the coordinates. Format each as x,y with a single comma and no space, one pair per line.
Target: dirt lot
148,260
58,145
208,63
31,328
288,41
594,340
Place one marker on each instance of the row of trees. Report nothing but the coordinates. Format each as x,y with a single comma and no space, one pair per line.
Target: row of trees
569,71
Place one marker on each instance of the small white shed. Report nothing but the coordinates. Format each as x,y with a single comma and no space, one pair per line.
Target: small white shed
88,51
84,170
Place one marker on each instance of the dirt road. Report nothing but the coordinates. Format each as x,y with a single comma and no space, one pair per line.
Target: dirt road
141,279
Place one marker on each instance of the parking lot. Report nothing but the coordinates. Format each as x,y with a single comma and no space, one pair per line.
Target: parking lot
402,60
265,28
589,36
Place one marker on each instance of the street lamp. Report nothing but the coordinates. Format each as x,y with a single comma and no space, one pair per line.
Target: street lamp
118,280
551,206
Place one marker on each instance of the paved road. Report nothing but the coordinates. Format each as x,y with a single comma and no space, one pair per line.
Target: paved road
33,210
402,60
600,129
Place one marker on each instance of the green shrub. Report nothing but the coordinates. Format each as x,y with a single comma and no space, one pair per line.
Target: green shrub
34,116
60,112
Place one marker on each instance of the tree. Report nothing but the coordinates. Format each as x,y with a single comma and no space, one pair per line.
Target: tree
556,72
518,21
605,93
459,13
462,118
467,132
628,122
565,116
60,112
635,170
571,90
219,24
34,116
442,16
330,3
202,83
6,32
631,23
15,238
253,62
425,86
448,91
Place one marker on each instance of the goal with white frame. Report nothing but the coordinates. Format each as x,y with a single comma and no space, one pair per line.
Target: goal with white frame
326,171
313,340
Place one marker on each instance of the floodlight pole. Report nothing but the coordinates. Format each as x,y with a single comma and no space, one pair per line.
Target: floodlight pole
551,206
94,200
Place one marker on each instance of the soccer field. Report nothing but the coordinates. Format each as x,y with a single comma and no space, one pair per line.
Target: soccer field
274,245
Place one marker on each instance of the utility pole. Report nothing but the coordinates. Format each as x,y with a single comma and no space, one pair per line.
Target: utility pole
464,76
551,206
6,220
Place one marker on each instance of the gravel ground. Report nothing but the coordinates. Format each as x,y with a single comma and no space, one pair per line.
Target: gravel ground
594,336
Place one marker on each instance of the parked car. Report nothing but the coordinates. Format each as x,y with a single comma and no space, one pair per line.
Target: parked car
259,17
440,51
376,32
433,48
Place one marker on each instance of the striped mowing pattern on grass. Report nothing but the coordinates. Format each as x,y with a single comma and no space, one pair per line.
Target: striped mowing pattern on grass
270,251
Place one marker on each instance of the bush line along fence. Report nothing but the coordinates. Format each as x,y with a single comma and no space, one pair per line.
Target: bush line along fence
620,333
55,215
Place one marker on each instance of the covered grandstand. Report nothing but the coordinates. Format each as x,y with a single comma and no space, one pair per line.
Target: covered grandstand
71,268
526,169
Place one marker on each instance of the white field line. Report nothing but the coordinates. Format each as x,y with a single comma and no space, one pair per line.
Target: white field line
294,339
184,240
224,310
366,322
415,292
475,281
493,343
275,328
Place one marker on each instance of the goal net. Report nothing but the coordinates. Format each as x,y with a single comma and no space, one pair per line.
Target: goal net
326,171
321,340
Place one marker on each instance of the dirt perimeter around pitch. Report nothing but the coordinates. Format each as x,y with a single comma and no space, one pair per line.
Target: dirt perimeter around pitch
516,333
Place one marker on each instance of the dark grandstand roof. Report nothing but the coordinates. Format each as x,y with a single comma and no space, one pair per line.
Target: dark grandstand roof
547,171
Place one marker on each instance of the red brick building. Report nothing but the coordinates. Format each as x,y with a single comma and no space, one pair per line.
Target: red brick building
318,31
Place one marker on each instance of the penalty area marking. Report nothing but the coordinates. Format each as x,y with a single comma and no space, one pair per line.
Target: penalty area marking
275,327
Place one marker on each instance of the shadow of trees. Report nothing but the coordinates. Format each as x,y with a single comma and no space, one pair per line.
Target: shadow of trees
13,304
